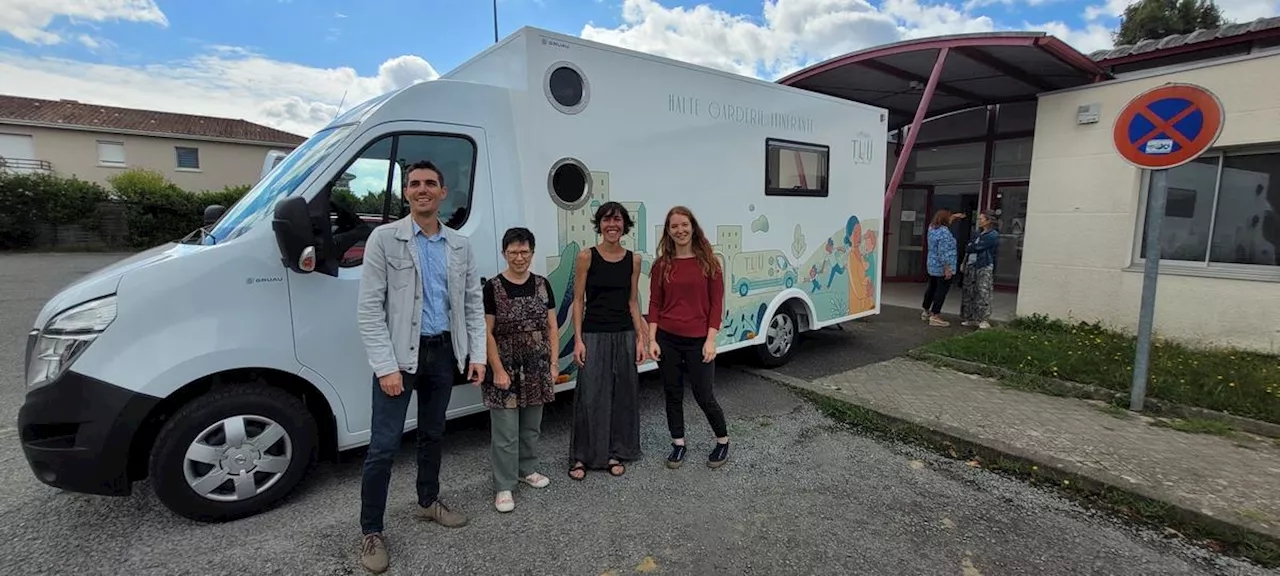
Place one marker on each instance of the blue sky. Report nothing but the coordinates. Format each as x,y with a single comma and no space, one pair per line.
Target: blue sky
288,63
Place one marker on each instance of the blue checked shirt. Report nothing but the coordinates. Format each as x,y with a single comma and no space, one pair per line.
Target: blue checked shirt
435,291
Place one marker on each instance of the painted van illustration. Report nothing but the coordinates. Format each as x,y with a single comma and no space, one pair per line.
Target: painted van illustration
762,271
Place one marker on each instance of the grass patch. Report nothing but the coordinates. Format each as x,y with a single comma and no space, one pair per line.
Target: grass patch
1236,382
1197,426
1114,411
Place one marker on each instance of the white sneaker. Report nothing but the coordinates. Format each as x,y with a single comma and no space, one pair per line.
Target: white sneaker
504,502
925,315
969,323
536,480
983,325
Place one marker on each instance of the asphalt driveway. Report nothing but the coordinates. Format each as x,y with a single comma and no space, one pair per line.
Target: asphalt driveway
799,496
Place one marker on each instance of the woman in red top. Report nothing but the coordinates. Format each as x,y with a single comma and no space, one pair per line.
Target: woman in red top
686,302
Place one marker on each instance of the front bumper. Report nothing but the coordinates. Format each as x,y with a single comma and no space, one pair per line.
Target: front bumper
76,432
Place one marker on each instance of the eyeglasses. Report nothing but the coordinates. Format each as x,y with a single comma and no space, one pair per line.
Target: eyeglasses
519,253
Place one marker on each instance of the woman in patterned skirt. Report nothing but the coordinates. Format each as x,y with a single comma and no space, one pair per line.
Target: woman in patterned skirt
519,310
980,263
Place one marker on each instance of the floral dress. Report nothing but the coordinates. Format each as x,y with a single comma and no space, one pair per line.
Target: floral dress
520,330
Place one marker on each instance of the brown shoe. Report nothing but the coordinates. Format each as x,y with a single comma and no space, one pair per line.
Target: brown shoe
373,553
440,514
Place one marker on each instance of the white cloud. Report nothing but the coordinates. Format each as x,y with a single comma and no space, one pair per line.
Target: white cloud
225,81
29,20
795,33
1092,37
792,32
1246,10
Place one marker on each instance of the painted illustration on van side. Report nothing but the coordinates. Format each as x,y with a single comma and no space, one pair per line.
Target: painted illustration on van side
838,274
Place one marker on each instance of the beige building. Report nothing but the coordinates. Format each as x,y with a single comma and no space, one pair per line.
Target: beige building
1083,255
1019,124
94,142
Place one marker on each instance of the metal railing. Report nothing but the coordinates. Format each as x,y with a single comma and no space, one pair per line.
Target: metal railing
25,165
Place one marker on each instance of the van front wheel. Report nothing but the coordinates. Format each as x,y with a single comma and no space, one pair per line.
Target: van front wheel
233,452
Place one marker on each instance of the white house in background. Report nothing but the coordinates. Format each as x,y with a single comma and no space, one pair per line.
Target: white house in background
93,142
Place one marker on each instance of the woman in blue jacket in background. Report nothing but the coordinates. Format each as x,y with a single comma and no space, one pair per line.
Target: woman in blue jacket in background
941,265
979,269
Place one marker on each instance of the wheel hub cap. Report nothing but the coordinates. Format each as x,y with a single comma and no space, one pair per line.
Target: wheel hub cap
237,458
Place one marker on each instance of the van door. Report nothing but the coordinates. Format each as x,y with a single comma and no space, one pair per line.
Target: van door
366,193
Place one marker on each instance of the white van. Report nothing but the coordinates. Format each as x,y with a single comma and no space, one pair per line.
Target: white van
222,367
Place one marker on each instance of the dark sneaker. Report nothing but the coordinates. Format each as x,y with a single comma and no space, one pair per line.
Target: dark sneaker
373,553
719,455
676,458
440,514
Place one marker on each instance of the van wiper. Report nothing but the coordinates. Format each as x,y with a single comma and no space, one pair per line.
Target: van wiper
203,232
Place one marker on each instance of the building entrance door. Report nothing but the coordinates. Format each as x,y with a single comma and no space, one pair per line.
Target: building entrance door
1009,201
904,245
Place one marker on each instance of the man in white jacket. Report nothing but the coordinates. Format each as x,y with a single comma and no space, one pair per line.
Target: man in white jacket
421,316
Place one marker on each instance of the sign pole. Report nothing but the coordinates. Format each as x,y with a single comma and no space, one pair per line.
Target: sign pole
1160,129
1158,191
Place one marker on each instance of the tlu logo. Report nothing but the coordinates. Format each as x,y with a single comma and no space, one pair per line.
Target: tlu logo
1161,146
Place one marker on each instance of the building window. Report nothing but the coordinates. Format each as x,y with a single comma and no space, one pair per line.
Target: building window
795,169
110,153
188,158
1220,212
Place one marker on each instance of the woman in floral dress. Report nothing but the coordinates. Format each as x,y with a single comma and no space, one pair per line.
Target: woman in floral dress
519,310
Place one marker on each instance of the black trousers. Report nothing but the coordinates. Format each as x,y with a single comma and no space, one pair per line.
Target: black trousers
935,294
681,358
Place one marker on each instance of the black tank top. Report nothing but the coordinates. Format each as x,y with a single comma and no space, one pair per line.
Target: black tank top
608,293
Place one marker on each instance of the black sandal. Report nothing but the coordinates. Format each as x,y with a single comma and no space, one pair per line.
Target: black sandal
615,465
575,468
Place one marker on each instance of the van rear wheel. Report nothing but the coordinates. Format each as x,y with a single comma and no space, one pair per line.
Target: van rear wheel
233,452
781,335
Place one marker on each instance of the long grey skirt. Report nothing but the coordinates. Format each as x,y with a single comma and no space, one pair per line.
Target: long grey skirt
606,401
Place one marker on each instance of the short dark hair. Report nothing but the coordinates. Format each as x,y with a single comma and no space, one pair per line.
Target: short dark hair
423,165
611,208
517,235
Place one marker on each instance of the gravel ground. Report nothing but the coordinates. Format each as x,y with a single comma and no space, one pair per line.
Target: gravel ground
798,497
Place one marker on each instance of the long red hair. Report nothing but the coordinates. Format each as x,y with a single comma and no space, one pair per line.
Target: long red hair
702,250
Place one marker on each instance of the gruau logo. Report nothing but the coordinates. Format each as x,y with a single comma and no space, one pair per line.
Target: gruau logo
251,280
553,42
862,148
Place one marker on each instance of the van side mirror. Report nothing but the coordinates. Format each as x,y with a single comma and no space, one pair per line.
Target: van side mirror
212,213
295,235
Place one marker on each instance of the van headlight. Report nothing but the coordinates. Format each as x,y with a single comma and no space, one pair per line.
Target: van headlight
52,350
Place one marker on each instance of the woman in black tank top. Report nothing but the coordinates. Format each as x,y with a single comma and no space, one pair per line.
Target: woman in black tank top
608,346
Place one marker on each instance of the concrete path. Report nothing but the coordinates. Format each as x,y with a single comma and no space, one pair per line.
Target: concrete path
1232,480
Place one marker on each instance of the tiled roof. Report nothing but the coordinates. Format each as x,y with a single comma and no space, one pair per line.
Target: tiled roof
1196,37
74,114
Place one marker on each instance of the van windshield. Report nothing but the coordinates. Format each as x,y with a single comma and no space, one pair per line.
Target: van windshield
259,202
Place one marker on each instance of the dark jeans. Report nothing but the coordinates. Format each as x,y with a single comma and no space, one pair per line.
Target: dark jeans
681,357
434,384
936,294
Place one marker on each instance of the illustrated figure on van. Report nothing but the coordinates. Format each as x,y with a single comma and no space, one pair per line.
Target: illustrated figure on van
861,247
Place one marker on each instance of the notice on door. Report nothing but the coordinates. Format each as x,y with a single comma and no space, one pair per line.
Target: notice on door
908,215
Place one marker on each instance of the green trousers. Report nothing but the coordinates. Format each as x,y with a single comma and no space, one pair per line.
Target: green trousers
514,433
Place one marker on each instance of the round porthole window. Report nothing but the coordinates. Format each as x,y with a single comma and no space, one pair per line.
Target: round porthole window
569,183
567,88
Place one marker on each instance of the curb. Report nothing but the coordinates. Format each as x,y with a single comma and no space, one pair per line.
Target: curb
1097,489
1077,390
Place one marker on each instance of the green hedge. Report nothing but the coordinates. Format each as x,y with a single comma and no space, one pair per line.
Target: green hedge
155,210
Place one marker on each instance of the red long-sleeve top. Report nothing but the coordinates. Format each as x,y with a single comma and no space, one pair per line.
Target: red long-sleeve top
689,302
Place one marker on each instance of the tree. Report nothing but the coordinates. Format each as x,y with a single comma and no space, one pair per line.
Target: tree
1155,19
